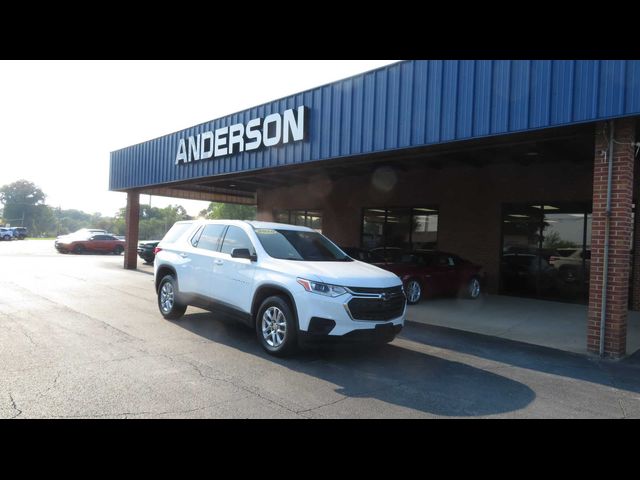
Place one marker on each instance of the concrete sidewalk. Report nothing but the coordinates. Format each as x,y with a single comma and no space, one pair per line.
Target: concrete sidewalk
562,326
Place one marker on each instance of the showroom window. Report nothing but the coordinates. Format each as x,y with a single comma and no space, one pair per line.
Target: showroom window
404,228
546,250
307,218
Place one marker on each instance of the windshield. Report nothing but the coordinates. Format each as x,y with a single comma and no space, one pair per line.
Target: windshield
300,245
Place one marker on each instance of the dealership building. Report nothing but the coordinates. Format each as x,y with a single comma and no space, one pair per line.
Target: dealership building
524,167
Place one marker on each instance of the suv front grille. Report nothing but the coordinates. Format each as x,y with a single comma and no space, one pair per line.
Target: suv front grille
372,291
377,309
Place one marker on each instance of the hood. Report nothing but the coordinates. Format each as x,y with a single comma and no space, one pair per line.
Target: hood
346,274
71,237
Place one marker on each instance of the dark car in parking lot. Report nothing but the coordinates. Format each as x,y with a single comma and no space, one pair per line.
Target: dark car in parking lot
146,250
97,243
428,273
19,233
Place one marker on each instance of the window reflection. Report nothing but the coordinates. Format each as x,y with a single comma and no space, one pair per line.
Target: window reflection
545,251
307,218
400,228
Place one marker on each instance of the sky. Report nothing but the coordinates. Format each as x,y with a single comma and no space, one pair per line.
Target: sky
59,120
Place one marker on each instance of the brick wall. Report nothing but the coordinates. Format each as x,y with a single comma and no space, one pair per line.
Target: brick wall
469,199
619,239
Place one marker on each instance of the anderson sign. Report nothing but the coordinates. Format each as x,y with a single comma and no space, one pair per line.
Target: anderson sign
274,129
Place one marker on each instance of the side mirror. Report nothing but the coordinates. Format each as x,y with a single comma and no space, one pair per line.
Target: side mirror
243,253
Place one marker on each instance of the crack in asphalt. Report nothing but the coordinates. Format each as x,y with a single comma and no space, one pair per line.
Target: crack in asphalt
14,406
75,365
624,413
16,322
241,387
300,412
62,306
24,332
55,382
363,394
169,412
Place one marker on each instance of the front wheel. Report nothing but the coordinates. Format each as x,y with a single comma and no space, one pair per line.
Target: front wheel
275,327
168,304
473,288
118,250
414,292
78,249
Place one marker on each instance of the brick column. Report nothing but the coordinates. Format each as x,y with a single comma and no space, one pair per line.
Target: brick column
619,238
635,290
132,223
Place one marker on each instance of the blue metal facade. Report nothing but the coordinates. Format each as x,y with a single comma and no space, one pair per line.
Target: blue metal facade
407,104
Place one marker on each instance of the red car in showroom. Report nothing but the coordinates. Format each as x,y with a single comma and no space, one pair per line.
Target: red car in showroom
95,243
427,273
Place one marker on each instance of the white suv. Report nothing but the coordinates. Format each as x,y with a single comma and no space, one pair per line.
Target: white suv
290,283
6,234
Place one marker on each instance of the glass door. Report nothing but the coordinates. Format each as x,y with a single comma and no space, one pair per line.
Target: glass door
546,251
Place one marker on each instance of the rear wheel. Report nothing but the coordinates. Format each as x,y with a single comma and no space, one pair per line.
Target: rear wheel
413,290
6,237
275,326
168,304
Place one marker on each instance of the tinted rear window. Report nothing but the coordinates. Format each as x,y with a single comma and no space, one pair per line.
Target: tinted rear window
211,236
176,231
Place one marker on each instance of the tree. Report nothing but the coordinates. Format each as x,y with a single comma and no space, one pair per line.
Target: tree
553,240
229,211
20,200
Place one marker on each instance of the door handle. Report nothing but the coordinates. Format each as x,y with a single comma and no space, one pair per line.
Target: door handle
218,262
183,255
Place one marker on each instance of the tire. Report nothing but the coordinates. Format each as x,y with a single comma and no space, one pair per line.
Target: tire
6,238
275,313
118,250
413,291
78,249
568,275
473,288
169,307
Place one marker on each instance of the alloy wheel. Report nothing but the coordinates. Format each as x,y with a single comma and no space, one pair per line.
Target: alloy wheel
166,297
413,291
474,288
274,327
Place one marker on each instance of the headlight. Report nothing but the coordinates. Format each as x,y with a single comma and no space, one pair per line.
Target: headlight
322,288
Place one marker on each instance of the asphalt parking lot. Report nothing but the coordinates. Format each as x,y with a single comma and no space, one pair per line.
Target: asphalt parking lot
80,337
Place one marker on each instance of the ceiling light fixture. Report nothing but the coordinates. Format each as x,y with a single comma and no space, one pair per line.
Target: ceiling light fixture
545,207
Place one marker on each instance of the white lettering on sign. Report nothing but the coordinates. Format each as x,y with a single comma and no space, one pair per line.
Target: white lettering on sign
274,129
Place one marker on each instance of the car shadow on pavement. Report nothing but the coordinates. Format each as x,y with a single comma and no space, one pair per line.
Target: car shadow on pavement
623,374
392,374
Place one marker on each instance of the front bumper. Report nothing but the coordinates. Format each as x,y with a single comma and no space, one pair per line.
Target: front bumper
381,333
327,309
61,247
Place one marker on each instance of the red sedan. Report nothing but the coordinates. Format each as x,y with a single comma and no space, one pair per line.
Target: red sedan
98,243
426,273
